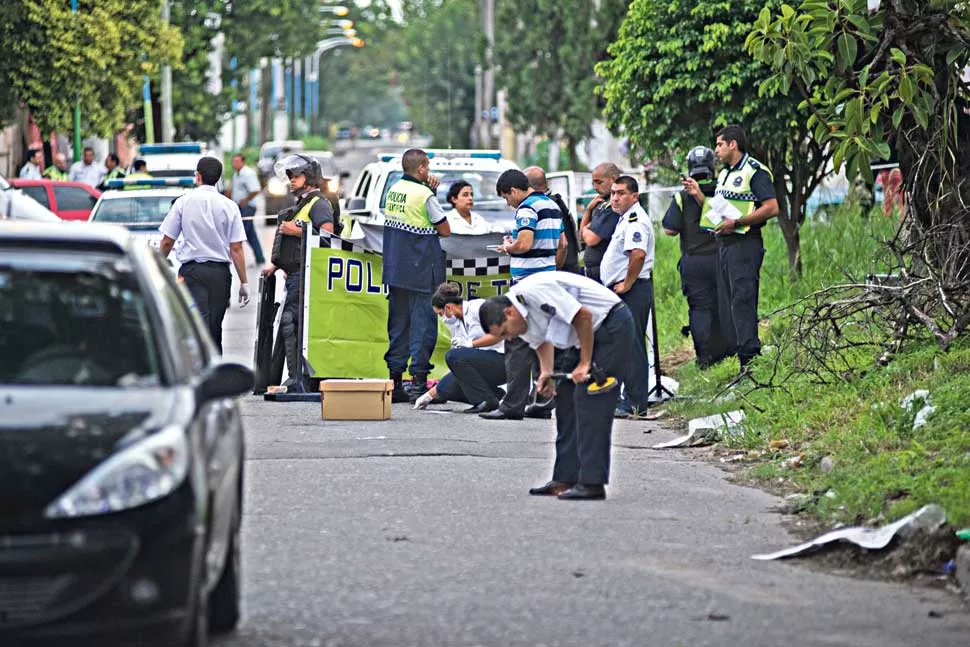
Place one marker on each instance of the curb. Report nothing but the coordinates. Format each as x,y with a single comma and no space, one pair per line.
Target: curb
963,570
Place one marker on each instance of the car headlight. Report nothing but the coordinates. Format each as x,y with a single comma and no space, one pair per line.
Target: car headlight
148,470
276,187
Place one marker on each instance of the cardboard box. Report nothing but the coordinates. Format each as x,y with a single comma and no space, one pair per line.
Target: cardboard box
356,399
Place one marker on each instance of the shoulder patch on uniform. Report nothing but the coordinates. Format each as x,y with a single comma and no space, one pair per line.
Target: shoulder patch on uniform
755,164
637,237
520,298
522,221
632,217
738,180
548,309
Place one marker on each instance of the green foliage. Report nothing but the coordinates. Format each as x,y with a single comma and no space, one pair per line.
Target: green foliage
98,56
546,50
440,44
875,85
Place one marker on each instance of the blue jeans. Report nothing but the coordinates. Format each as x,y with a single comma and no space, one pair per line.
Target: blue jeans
249,227
475,375
412,331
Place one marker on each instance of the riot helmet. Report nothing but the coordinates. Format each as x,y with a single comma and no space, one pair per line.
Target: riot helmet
700,163
297,164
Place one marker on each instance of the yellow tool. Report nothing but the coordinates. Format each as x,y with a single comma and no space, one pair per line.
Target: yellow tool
602,383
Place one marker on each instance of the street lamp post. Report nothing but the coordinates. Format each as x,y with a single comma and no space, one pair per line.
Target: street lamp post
166,90
337,10
314,71
77,110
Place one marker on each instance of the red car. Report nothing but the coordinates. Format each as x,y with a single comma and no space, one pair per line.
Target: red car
69,200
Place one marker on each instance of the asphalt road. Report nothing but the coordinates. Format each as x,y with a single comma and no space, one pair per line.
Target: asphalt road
419,531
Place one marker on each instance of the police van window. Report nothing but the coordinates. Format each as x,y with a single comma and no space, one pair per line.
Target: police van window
38,193
140,213
73,198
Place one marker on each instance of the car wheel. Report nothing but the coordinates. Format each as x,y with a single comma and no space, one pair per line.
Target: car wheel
224,601
198,635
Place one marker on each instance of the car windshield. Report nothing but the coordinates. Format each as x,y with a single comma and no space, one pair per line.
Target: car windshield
73,319
270,152
483,188
140,213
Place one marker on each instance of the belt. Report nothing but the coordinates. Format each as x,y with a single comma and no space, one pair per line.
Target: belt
206,263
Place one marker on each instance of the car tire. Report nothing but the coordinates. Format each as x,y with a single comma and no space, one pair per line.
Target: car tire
224,601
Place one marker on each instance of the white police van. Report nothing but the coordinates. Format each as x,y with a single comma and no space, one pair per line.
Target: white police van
480,168
140,205
173,160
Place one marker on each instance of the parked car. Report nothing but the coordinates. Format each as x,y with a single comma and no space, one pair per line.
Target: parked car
14,205
68,200
121,448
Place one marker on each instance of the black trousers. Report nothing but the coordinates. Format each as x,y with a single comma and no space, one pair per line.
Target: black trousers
521,363
740,263
708,307
209,283
639,299
584,422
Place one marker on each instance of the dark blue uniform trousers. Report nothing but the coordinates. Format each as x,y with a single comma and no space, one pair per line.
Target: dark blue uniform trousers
209,283
476,374
639,299
708,306
412,331
741,267
584,422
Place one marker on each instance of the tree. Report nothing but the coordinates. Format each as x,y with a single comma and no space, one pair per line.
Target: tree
52,58
440,45
887,79
678,72
546,50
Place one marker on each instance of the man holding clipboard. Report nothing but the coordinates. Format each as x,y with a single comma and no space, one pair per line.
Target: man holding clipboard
743,202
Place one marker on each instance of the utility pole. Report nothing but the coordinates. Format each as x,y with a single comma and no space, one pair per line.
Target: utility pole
77,110
488,77
167,131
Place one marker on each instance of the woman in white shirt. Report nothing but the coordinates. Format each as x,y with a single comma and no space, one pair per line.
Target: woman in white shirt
462,220
476,357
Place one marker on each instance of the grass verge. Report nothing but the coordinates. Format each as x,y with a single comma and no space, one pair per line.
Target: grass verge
878,466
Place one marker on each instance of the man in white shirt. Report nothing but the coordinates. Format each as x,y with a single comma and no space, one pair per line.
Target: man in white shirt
574,324
86,170
245,188
212,236
625,269
33,169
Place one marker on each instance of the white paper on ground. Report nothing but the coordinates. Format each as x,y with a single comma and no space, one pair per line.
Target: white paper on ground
929,517
700,428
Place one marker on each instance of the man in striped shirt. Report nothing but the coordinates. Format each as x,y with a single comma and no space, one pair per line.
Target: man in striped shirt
538,243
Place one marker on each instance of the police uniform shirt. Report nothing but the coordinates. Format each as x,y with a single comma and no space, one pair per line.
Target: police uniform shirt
693,238
208,222
321,212
31,171
761,184
470,325
633,231
550,300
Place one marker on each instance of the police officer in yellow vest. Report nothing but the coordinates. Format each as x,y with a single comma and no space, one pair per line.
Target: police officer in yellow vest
747,186
139,171
302,172
708,310
414,265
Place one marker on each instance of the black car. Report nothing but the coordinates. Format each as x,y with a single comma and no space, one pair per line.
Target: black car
121,447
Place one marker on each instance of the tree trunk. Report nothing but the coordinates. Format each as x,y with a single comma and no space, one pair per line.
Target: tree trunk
571,151
789,221
267,109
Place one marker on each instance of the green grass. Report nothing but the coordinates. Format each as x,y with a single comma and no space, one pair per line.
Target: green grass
882,466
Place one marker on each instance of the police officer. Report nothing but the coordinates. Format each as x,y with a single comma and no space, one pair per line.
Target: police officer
625,269
212,234
573,323
414,265
139,171
599,220
707,307
113,163
747,186
539,240
32,170
58,170
302,173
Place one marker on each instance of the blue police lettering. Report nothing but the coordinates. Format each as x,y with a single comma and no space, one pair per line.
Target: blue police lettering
473,289
351,284
335,270
500,285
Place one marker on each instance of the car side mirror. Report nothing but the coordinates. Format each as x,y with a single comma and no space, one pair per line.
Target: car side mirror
356,204
225,381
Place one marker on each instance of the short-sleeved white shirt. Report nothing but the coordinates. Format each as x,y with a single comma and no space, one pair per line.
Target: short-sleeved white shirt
633,231
470,325
550,300
244,182
208,222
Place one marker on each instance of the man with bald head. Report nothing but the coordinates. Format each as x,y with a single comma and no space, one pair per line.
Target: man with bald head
414,265
599,219
58,170
568,259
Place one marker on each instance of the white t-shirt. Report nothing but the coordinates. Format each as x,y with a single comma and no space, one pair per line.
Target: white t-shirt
550,300
470,325
633,231
460,227
91,173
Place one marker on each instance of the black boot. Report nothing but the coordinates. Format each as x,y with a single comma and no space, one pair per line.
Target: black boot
419,386
399,394
294,384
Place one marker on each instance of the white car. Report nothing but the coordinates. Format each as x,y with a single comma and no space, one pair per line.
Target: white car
173,160
480,168
141,207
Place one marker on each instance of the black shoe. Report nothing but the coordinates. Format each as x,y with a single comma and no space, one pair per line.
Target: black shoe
482,407
552,488
500,414
582,492
399,395
539,411
419,386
